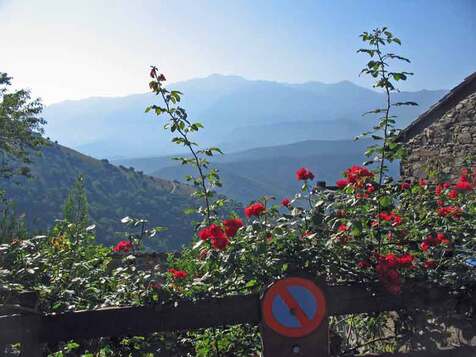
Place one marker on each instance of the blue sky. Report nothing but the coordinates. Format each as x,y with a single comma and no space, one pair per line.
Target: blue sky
75,49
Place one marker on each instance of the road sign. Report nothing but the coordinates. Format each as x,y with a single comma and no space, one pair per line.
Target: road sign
293,307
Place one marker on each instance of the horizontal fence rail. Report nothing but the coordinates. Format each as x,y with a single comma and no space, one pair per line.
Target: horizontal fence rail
210,312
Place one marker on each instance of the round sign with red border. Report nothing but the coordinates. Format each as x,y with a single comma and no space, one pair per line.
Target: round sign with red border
294,307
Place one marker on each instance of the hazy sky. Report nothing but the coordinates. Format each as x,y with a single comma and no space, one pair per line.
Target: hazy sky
69,49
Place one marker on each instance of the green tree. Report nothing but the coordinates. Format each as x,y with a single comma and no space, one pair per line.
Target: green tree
76,204
21,128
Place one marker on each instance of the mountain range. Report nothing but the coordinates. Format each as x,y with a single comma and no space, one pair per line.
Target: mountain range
238,114
251,174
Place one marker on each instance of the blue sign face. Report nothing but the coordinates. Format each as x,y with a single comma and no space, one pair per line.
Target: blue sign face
471,262
294,307
302,299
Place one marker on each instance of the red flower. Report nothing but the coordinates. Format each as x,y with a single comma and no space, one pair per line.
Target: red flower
451,211
343,228
453,194
285,202
422,182
391,217
405,261
438,190
441,238
216,231
355,174
370,188
204,233
433,241
405,185
304,174
254,210
463,184
123,246
386,269
232,226
342,183
178,274
220,242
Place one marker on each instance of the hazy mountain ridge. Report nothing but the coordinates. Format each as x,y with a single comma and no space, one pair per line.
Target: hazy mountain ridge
238,114
250,174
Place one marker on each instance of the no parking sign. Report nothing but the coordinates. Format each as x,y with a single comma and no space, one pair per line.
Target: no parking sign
294,307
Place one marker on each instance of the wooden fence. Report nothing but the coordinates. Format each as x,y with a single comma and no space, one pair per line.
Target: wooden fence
32,329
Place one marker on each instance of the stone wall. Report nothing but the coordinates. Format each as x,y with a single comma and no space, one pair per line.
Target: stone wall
444,145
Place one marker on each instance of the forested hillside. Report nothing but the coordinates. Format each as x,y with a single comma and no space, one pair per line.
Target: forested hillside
113,193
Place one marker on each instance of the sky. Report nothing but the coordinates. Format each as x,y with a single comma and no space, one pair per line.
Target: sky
81,48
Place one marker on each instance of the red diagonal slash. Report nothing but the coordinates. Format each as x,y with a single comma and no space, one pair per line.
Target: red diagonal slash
293,306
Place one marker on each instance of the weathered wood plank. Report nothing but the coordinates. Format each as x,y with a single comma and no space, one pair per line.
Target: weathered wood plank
131,320
187,315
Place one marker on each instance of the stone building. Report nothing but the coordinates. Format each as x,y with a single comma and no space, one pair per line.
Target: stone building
443,137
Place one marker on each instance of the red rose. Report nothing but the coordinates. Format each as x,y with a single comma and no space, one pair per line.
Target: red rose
123,246
232,226
405,185
391,217
178,274
285,202
438,190
433,241
304,174
451,211
463,184
254,209
220,242
204,233
422,182
370,188
441,238
405,260
453,194
342,183
343,228
356,174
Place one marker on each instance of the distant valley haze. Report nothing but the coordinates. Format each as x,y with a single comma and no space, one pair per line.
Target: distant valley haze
238,114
